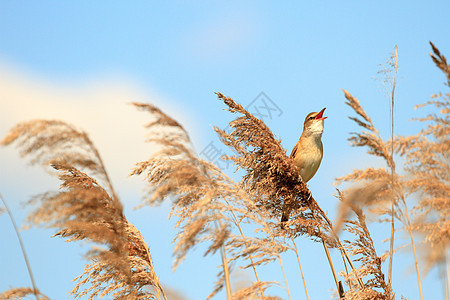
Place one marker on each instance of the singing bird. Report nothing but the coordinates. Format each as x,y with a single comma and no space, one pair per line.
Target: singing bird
308,152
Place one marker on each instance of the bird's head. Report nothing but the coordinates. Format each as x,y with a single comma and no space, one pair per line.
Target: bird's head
314,122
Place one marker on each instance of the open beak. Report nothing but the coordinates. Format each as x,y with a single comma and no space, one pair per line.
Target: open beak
320,115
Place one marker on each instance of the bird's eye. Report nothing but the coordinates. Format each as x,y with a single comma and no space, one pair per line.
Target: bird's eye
311,118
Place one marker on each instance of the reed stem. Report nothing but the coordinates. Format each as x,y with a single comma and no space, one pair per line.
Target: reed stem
301,270
22,246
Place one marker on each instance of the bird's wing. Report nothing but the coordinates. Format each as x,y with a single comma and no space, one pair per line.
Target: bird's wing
294,151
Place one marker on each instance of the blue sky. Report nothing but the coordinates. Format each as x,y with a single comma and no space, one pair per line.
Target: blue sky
82,62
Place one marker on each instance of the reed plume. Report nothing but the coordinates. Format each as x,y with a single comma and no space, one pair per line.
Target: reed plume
379,186
22,293
363,251
208,205
427,167
375,189
120,266
426,176
47,141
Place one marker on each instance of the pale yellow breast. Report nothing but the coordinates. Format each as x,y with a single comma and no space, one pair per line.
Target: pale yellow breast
308,157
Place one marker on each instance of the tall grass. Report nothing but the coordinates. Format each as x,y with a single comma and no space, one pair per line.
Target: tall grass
239,221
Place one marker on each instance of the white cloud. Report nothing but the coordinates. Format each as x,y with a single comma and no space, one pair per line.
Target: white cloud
98,107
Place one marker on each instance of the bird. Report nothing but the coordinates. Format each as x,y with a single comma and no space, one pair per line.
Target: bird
308,152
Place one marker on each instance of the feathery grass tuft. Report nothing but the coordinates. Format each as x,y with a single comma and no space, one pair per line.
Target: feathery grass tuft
363,250
427,166
206,202
22,293
82,209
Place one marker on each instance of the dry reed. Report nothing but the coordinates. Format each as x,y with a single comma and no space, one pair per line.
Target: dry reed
82,209
206,203
22,293
426,177
212,209
34,290
427,167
